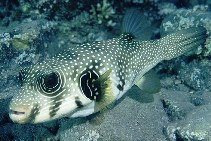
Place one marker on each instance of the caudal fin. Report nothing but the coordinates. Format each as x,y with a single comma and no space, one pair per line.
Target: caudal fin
179,42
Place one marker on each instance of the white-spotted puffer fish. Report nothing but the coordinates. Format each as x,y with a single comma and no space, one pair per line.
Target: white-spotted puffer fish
85,79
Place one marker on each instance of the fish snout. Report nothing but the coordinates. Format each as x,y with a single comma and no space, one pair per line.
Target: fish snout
20,114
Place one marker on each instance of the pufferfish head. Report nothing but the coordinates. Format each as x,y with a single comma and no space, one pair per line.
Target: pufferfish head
47,93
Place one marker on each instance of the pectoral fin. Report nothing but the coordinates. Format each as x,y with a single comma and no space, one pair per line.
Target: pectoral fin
104,85
149,83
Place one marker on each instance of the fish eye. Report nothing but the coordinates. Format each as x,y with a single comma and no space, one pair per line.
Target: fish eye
49,83
51,80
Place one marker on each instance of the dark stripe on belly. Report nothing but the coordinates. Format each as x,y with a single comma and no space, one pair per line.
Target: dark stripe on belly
78,102
53,109
121,75
55,104
33,114
120,87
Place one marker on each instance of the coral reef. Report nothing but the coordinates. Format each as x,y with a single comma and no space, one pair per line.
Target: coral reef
102,13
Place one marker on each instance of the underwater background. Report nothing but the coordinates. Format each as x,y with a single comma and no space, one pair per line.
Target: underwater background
34,30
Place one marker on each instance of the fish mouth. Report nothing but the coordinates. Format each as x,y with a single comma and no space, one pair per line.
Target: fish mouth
20,114
16,112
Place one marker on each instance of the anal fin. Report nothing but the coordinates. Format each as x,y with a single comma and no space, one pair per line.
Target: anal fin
140,96
149,83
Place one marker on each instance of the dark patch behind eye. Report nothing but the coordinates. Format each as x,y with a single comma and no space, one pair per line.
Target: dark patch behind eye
87,85
90,88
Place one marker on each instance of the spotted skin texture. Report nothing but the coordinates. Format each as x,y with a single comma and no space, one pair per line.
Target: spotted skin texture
127,58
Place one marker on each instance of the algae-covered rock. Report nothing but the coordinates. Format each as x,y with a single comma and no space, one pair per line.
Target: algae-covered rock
103,13
22,41
196,75
20,35
23,36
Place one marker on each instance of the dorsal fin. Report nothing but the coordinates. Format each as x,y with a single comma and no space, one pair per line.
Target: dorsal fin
134,24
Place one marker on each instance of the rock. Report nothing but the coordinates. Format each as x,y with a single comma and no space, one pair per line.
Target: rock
176,104
196,75
195,127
